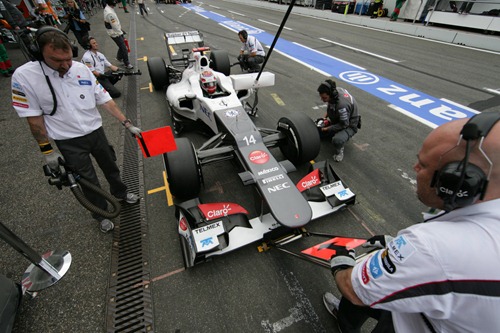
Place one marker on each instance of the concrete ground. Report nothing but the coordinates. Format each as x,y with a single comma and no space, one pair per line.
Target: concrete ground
214,297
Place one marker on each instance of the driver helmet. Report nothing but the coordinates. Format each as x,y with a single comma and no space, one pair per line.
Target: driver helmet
322,122
208,81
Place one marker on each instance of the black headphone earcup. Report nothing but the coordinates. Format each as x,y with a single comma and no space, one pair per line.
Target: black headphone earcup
449,178
34,52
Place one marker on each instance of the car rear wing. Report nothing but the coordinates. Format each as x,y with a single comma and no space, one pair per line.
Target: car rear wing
180,44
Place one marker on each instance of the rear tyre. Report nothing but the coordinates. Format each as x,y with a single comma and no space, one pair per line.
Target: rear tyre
219,61
302,142
158,73
183,170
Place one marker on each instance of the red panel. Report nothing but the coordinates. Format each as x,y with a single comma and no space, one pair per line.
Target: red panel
217,210
157,141
309,181
327,249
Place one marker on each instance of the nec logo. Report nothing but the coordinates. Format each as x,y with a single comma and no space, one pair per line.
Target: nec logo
278,187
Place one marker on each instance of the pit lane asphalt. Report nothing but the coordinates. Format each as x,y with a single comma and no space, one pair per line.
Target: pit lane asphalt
243,291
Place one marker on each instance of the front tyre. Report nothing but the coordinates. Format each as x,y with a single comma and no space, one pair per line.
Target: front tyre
183,170
158,73
302,142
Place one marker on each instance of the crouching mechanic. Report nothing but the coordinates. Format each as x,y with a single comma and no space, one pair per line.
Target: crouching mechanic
98,64
433,274
58,97
251,53
341,120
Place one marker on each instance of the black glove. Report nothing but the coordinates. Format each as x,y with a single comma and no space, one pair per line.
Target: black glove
342,259
378,242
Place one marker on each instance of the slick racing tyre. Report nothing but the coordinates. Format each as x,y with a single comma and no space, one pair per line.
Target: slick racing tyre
219,62
183,170
158,73
302,142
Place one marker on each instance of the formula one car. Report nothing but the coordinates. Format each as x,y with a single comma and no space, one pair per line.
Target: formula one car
200,92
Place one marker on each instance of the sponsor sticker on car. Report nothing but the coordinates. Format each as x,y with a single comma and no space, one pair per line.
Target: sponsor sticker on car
205,237
337,189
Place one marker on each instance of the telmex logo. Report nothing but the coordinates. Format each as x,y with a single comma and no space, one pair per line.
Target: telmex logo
258,157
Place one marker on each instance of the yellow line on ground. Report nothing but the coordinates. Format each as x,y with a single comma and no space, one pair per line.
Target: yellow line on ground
145,58
140,38
170,201
165,188
150,87
277,99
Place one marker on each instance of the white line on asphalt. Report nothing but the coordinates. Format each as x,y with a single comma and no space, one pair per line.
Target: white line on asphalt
271,23
493,91
360,50
329,56
236,13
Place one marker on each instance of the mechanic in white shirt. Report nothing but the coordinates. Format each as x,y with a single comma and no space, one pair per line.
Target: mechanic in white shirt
442,275
99,65
251,53
114,30
59,99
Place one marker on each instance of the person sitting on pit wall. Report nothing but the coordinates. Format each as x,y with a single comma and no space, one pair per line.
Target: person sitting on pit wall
101,67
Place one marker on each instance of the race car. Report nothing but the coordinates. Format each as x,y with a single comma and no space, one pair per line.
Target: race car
201,93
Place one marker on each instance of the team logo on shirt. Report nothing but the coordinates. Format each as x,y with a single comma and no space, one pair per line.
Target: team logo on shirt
21,105
85,82
387,262
17,92
19,99
364,274
374,264
17,86
401,248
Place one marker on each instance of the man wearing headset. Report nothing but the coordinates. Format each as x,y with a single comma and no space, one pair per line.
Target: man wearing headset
442,275
251,53
343,120
59,98
98,64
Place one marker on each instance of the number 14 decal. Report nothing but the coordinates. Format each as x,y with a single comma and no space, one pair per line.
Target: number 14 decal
249,140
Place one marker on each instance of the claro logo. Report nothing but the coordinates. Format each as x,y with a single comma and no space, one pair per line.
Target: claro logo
219,212
258,157
460,193
313,181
